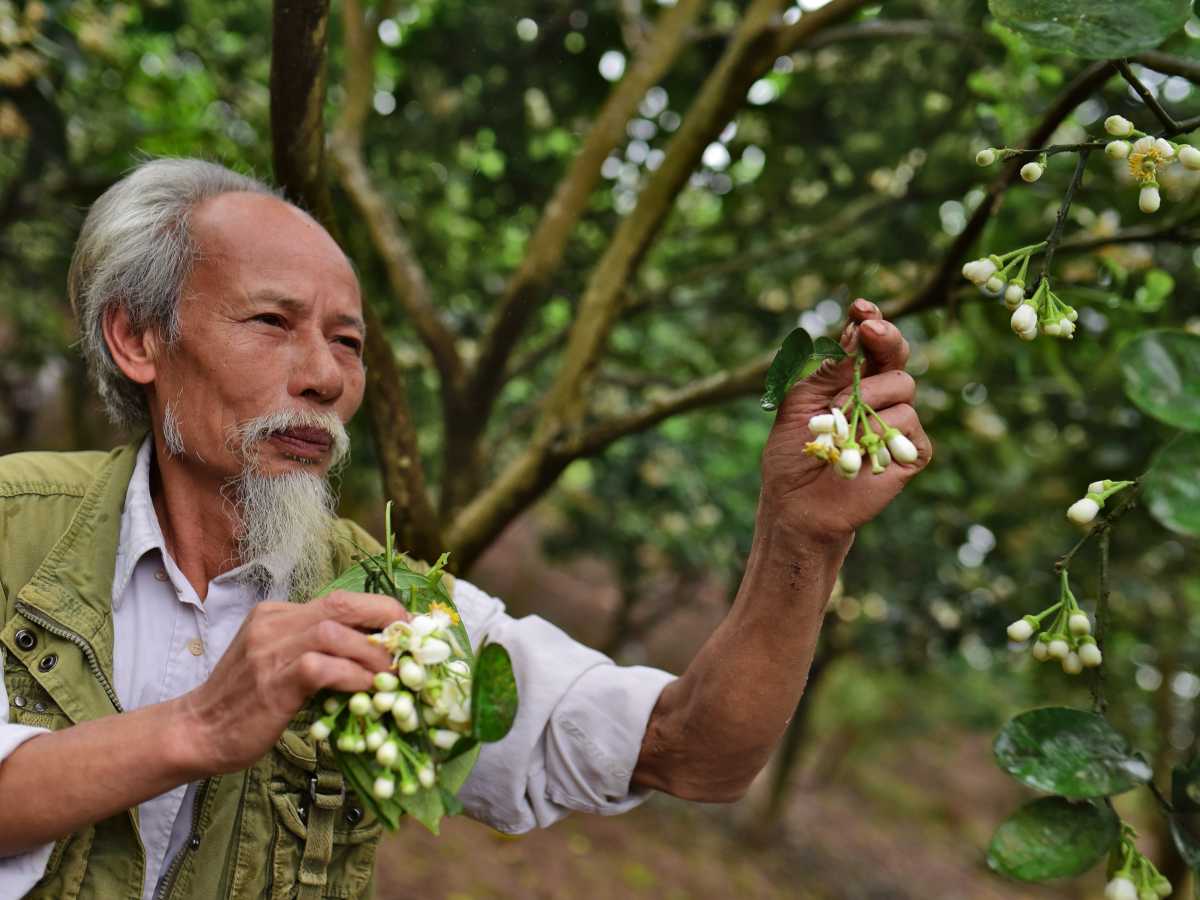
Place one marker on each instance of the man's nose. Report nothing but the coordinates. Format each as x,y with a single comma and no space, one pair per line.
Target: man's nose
316,373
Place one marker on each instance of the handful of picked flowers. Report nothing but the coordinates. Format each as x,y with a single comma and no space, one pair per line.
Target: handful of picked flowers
408,746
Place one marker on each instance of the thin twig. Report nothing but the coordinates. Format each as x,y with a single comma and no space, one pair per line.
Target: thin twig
1054,149
1163,802
1063,209
1099,702
1128,496
1147,96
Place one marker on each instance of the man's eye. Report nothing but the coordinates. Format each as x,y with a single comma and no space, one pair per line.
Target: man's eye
353,343
271,319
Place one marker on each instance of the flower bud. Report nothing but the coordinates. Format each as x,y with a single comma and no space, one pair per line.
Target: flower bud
331,705
822,424
1164,148
841,428
1058,649
1025,318
384,787
1032,171
1071,663
1029,335
1162,887
386,753
383,700
1082,512
386,681
1149,199
360,704
320,729
412,673
1117,149
376,735
1013,295
1090,656
459,667
1189,156
431,652
443,738
1120,888
1078,624
404,706
985,157
1040,651
1096,487
426,776
1054,329
881,458
1066,328
902,449
850,462
1020,630
346,742
1118,126
410,724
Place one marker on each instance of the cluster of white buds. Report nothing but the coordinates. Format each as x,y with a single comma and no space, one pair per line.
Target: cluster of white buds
1044,313
1003,275
1068,639
1131,875
842,436
418,711
1146,154
1084,511
1030,172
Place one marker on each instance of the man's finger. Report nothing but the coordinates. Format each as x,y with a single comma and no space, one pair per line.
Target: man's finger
335,639
884,389
885,346
358,610
861,310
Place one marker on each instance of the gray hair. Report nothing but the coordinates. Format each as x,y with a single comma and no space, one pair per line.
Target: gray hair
136,251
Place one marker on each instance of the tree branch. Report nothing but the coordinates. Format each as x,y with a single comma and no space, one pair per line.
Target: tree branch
938,288
886,29
1061,219
297,101
1147,96
1170,65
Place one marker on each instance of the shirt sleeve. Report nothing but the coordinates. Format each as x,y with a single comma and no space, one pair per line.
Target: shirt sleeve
579,727
18,874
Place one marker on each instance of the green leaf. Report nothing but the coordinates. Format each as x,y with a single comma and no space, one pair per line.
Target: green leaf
823,348
1093,29
1161,370
1070,752
1053,838
1172,485
493,694
793,355
1156,288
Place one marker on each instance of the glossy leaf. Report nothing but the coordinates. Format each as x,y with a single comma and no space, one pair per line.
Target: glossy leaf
789,362
1161,370
494,694
1070,752
1172,486
823,348
1053,838
1093,29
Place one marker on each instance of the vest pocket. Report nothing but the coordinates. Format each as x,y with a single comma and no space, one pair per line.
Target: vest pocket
29,703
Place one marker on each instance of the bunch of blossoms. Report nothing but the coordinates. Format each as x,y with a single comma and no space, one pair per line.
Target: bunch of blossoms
844,433
1131,875
1067,639
1004,275
1084,510
418,711
1146,154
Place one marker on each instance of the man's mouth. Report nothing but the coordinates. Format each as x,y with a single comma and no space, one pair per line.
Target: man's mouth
308,444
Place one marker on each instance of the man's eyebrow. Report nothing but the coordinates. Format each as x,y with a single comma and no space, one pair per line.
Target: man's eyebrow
291,304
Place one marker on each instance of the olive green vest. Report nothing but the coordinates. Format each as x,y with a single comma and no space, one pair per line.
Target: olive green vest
284,828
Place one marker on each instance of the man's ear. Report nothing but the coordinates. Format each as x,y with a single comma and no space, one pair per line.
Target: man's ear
136,352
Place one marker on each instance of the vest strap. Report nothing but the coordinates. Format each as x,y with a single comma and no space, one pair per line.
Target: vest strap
327,793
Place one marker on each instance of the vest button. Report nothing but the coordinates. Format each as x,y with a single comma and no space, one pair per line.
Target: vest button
49,661
18,701
25,639
353,816
194,843
39,707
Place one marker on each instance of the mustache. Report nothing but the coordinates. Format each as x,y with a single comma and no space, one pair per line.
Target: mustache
245,437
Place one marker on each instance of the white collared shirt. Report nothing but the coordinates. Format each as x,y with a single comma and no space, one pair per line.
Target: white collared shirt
573,746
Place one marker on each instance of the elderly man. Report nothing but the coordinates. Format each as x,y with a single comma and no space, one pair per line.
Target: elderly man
153,712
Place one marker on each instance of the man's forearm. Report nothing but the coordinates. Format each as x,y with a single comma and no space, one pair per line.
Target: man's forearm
714,728
59,782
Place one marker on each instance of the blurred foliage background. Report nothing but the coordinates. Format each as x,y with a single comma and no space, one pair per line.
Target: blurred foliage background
848,172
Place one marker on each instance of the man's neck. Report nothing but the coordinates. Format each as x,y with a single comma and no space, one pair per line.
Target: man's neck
196,520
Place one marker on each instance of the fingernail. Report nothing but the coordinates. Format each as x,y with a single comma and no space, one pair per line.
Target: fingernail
876,328
866,305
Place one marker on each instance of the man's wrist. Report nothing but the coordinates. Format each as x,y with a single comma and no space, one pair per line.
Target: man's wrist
800,531
184,742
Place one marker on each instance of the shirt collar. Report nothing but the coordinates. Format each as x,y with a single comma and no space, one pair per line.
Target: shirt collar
140,533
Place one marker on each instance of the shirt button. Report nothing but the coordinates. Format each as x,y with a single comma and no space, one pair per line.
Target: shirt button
195,646
160,575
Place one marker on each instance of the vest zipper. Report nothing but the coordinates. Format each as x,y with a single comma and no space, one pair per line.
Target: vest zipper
39,618
167,881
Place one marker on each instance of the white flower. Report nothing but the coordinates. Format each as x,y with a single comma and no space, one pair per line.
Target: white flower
360,704
376,736
1071,664
1020,631
423,625
822,424
386,681
985,157
404,707
459,667
1117,149
386,753
994,284
1079,623
1029,335
460,713
978,271
1013,295
841,428
1040,651
850,462
1032,171
320,730
383,701
1120,888
443,738
426,776
384,787
1024,318
1164,148
1082,512
1149,199
1118,126
409,725
431,652
412,673
1189,156
902,449
1143,144
1066,328
1090,656
1096,487
1051,328
1058,649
